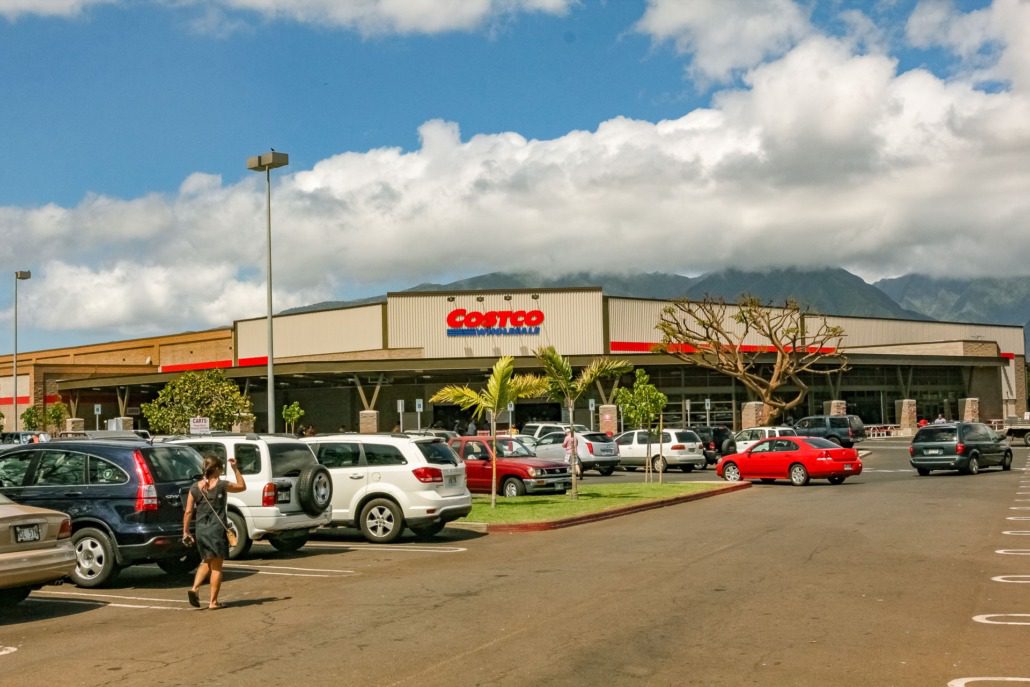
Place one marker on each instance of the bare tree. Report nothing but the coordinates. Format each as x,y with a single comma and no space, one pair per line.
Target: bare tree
770,350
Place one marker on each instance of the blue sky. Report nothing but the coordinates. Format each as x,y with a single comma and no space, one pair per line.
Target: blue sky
431,140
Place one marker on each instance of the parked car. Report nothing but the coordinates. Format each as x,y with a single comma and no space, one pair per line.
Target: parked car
431,432
35,549
125,500
843,430
288,493
595,450
746,438
519,470
962,446
679,448
386,482
795,458
539,429
718,441
29,437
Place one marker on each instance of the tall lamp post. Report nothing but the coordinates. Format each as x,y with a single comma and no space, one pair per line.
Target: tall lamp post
18,276
266,162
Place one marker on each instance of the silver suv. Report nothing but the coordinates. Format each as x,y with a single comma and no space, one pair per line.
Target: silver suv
288,493
386,482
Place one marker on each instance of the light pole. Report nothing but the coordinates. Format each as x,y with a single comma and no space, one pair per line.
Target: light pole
18,276
266,162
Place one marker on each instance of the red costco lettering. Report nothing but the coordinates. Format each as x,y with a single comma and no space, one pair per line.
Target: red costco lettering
461,317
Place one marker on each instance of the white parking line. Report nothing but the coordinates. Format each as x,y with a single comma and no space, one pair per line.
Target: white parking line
1018,517
398,548
963,681
263,568
4,650
1019,507
986,618
1017,533
1013,552
98,595
105,604
1013,579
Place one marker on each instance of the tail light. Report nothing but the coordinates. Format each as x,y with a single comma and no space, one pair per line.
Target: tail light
269,495
677,447
146,492
590,448
824,456
911,450
428,475
711,445
66,529
960,448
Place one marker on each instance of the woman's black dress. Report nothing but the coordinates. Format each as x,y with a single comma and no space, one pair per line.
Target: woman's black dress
211,539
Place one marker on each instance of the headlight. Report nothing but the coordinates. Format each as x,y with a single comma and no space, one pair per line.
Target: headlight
531,472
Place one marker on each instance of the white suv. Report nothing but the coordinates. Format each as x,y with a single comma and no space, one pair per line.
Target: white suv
386,482
288,493
680,448
746,438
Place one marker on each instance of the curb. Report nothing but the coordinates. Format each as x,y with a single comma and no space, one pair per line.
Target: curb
595,517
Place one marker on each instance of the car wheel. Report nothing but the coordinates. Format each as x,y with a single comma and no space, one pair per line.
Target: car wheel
658,464
923,472
973,467
243,540
687,468
835,440
10,597
702,465
605,472
1026,439
428,531
730,472
798,475
513,486
180,565
96,564
729,447
289,543
315,489
629,468
836,479
1006,463
381,521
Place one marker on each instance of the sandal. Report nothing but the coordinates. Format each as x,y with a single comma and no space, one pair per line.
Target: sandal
215,606
194,599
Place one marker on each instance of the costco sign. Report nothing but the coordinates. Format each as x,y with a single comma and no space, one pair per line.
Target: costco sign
462,322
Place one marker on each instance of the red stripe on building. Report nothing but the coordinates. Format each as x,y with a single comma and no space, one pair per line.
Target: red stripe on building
53,398
9,400
252,362
644,347
1008,356
206,365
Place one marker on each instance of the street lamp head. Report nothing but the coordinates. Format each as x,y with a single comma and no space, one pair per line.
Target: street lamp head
267,161
23,275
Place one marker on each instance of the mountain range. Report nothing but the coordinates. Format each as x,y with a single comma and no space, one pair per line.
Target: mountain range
833,291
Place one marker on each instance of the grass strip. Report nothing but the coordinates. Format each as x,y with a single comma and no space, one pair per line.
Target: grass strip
593,498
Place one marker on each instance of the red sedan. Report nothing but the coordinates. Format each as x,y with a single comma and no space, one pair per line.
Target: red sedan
795,458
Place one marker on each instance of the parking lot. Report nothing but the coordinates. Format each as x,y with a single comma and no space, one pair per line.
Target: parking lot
888,579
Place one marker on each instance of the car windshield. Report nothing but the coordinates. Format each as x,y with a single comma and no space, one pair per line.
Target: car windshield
687,437
174,463
819,442
437,452
934,434
508,448
289,458
598,437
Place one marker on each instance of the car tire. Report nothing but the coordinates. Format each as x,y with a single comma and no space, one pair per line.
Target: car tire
315,489
923,472
835,440
1006,462
702,465
687,468
428,531
96,564
381,521
180,565
1026,439
290,543
513,487
606,472
836,479
243,540
629,468
658,464
973,466
798,475
10,597
728,447
730,472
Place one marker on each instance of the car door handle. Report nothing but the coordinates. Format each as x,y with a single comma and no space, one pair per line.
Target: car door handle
357,476
73,493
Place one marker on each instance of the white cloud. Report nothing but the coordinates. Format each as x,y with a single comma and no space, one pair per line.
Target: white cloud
725,37
12,9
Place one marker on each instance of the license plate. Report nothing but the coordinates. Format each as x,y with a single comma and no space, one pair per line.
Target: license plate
848,467
26,533
452,480
934,451
283,497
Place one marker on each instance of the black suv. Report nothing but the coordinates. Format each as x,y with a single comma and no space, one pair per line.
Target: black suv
125,500
718,441
844,430
962,446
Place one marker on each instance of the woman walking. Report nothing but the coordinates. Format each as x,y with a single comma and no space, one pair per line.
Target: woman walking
208,498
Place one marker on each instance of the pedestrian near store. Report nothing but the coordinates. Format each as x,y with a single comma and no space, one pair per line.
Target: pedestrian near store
207,500
471,430
940,419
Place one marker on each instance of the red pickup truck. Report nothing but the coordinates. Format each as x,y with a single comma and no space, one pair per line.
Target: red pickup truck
518,470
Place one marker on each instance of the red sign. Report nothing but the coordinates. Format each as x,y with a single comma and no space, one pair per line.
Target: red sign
462,322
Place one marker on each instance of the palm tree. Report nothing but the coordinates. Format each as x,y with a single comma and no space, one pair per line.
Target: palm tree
562,385
502,387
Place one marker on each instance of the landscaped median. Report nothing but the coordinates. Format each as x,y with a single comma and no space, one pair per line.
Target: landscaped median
595,502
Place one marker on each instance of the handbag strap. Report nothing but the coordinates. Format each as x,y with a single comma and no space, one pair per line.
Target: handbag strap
203,492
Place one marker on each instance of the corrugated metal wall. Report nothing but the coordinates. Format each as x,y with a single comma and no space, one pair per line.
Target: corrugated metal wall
316,333
572,323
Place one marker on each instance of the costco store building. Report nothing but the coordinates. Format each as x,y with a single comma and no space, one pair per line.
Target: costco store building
338,363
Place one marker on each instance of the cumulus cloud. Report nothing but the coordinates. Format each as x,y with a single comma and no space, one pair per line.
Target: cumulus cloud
12,9
725,37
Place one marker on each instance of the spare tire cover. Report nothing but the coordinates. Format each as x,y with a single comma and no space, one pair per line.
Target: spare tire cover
315,489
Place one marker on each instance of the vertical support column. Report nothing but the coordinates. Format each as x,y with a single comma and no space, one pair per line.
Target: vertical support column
905,409
969,409
368,421
838,407
753,414
609,419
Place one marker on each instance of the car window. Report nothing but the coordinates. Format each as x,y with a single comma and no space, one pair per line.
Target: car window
805,423
13,467
784,445
840,423
819,442
512,449
248,458
288,459
341,455
60,468
933,434
625,439
687,437
475,450
174,463
105,472
438,452
383,454
205,448
787,433
761,447
603,438
552,438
